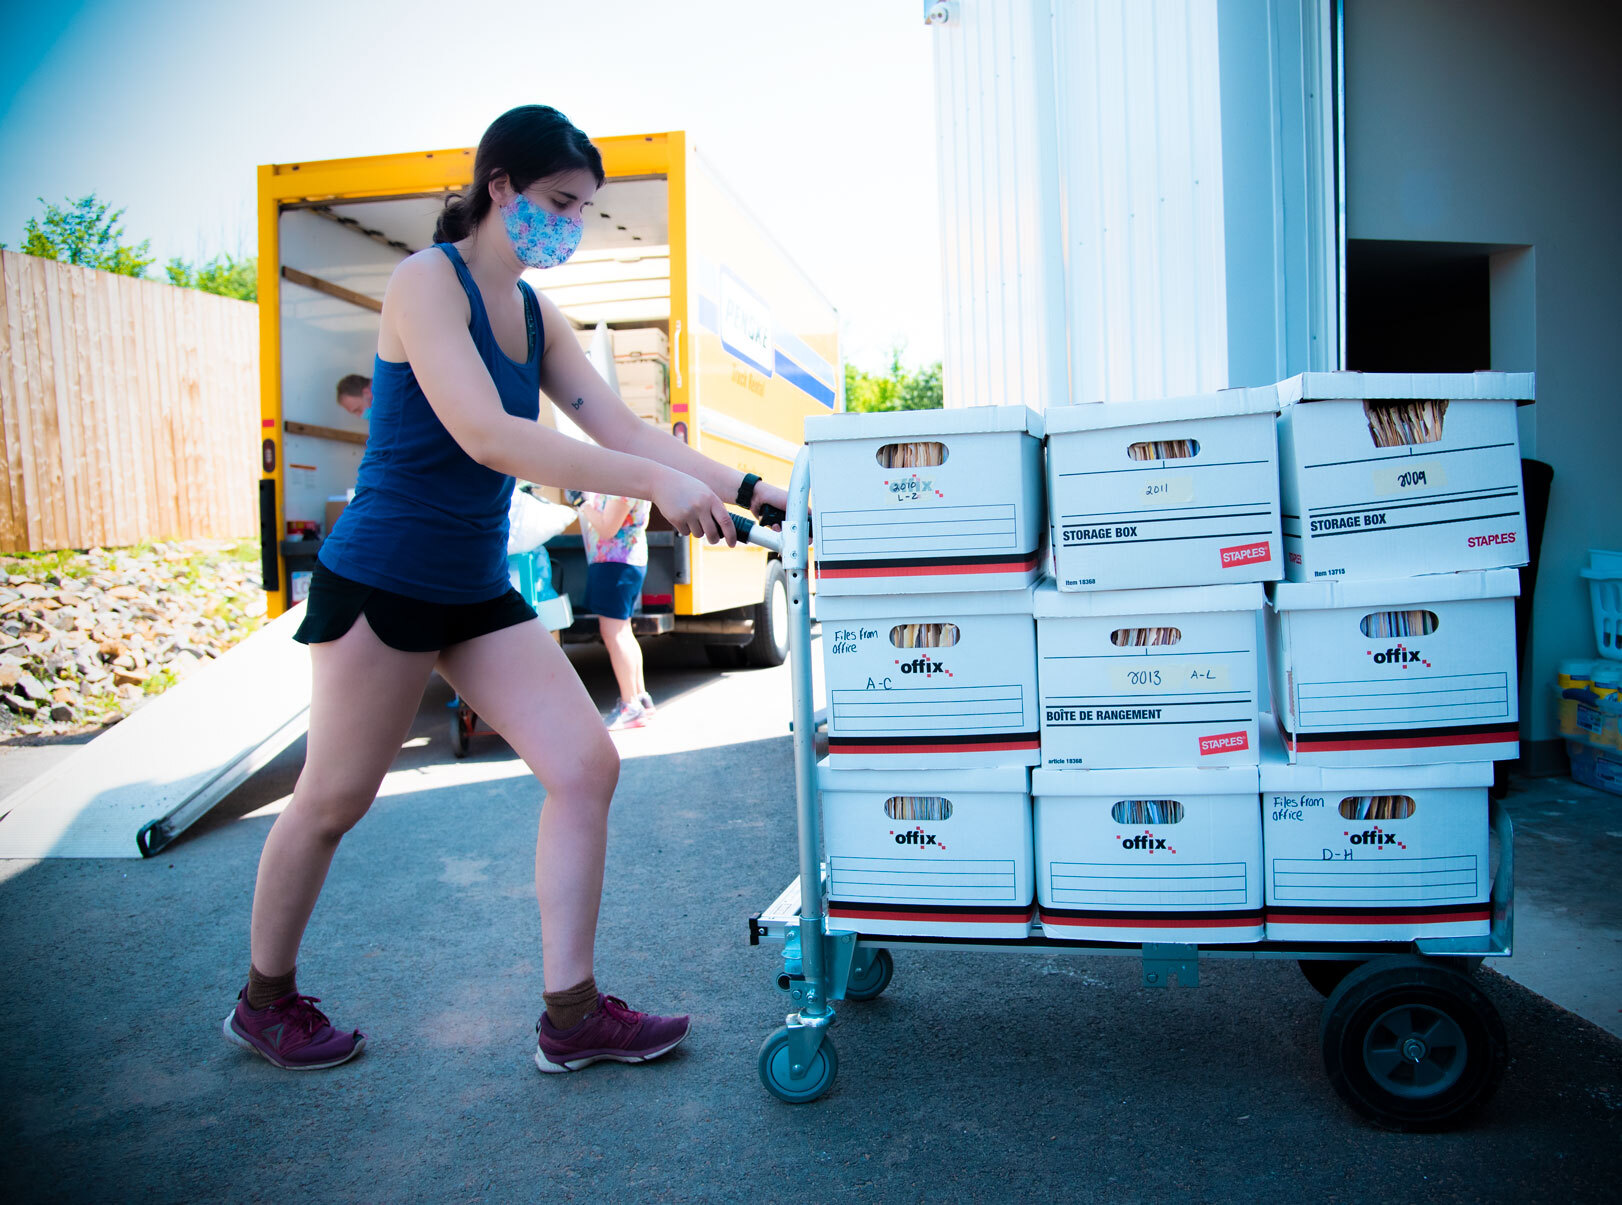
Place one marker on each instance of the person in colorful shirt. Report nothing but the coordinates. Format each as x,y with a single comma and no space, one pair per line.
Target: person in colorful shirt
615,532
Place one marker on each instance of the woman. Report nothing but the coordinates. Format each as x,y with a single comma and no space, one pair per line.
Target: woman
413,578
615,532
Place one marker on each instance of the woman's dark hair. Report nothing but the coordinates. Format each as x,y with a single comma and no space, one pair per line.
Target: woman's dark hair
526,144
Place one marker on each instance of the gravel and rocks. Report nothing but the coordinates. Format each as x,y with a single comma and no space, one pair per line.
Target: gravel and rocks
86,637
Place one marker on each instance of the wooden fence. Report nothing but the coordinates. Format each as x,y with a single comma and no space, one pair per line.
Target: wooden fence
129,410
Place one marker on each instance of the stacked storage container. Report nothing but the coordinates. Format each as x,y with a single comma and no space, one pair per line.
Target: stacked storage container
1393,650
1165,520
928,536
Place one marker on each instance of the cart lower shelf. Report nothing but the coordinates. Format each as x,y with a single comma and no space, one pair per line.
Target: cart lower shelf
1408,1039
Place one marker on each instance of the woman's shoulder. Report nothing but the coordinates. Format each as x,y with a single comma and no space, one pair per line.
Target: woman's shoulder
430,269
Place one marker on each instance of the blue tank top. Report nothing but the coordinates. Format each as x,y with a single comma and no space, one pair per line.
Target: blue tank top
428,521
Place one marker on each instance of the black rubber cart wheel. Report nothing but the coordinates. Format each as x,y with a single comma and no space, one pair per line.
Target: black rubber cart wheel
1411,1044
770,644
462,721
874,978
776,1069
1325,974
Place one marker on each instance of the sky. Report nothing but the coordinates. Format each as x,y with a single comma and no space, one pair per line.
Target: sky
819,116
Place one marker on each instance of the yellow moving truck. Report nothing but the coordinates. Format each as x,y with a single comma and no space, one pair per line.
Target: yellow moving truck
742,348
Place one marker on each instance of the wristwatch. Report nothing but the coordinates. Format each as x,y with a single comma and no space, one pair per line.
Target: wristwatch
746,491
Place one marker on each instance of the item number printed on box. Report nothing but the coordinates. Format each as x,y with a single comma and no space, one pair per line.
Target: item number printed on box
1407,477
1176,677
1164,491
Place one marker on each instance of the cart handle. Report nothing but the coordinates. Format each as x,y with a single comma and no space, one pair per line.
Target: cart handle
750,532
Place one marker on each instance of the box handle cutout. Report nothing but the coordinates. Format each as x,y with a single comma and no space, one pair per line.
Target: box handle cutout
919,454
1164,449
924,635
1382,625
1147,811
1377,807
1136,638
1403,423
918,807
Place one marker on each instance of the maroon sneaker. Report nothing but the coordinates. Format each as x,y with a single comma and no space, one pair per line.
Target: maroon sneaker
614,1032
292,1033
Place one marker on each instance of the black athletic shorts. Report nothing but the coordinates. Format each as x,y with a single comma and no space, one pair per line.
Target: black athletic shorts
407,624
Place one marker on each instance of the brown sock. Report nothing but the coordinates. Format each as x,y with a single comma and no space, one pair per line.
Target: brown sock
264,990
572,1005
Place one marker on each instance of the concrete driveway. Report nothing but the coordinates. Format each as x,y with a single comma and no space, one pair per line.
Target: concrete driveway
975,1077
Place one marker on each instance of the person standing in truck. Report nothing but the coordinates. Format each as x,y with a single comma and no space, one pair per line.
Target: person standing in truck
355,393
615,533
413,578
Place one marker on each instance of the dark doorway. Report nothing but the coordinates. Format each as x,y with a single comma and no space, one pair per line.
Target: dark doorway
1418,307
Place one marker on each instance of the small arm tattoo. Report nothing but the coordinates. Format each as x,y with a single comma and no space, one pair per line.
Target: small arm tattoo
578,402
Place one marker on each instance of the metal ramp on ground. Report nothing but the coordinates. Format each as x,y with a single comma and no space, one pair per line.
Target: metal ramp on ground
140,784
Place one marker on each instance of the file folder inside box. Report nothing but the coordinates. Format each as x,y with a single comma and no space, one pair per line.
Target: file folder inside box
930,680
1404,671
943,853
1375,853
927,500
1148,678
1389,474
1181,492
1149,855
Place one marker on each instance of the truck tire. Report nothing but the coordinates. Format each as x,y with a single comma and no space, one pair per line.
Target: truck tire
770,644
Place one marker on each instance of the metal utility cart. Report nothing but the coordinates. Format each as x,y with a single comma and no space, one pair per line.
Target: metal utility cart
1409,1041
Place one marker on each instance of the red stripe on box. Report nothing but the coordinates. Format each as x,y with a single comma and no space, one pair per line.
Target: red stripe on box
988,918
658,600
1137,920
1484,912
970,745
1421,742
943,569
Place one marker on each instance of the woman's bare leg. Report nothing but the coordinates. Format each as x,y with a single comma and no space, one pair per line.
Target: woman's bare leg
364,695
624,654
519,680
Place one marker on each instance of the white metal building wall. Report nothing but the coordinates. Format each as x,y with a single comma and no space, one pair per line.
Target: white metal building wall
1001,248
1110,230
1140,155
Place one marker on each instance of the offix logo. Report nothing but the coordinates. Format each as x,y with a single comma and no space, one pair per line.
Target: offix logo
1145,841
1398,655
911,489
1372,836
916,837
924,666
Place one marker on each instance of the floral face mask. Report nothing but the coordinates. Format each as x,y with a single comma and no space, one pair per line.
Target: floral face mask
540,238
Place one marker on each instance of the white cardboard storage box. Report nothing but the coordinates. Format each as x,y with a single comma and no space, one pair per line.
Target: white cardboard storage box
1181,492
930,680
941,853
1110,700
1353,509
1334,877
1349,693
926,500
1149,855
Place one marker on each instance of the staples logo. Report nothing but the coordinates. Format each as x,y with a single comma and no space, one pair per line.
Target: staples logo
1224,742
1246,554
1398,655
1497,537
